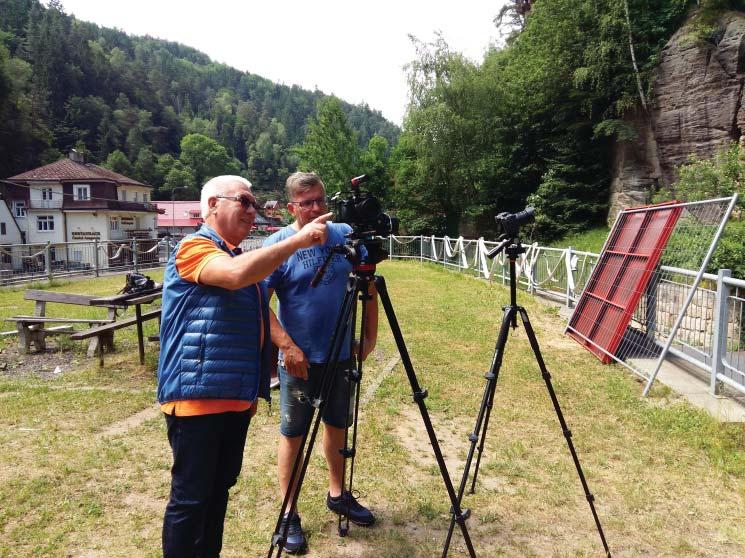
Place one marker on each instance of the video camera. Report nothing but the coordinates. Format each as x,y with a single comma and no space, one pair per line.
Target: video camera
509,223
362,211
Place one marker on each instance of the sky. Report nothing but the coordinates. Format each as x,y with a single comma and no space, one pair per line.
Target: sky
356,51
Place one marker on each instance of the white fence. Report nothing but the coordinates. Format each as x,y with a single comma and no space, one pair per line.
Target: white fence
711,337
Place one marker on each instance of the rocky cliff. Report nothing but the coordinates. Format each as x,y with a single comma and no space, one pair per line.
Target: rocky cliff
696,108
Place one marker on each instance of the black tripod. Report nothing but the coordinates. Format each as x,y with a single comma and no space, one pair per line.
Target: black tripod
514,248
358,287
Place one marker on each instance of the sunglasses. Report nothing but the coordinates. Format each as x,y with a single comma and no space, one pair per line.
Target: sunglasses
245,201
307,204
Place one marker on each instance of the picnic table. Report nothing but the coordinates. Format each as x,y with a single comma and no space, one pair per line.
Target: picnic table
125,300
33,330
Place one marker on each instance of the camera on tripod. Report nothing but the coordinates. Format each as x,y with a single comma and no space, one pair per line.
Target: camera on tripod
508,224
362,211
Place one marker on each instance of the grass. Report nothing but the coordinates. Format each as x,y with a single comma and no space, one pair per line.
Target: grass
668,480
591,240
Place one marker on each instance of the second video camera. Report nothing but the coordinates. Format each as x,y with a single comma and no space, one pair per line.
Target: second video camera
363,212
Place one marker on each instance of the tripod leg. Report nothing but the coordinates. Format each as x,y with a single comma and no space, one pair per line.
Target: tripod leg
419,395
565,429
304,455
354,380
487,400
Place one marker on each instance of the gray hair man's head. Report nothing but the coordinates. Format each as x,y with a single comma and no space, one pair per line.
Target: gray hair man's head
299,182
216,186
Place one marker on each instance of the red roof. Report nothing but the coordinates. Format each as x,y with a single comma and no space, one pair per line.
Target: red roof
179,214
67,169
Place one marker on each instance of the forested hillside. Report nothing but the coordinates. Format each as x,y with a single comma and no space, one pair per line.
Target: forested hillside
537,120
132,103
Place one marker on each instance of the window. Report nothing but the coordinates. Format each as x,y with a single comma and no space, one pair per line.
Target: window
124,194
45,223
144,198
136,196
46,193
3,230
115,223
19,208
82,192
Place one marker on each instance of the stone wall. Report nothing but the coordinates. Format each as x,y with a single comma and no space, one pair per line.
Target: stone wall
696,108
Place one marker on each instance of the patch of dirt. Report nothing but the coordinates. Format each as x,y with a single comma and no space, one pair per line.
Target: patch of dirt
454,445
47,365
133,421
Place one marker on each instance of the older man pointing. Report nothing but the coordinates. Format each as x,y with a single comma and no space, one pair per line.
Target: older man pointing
213,359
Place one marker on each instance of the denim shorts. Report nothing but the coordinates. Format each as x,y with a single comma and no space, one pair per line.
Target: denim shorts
296,397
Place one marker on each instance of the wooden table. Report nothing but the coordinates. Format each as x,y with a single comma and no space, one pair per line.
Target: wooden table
136,300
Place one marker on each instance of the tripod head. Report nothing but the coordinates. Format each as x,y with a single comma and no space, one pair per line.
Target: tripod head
362,253
509,225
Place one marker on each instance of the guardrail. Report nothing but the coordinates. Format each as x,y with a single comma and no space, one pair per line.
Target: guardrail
711,337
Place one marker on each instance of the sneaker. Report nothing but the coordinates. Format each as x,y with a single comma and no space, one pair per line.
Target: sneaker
346,504
274,382
296,542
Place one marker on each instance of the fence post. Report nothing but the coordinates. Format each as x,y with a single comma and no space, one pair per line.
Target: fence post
95,258
719,341
421,248
134,255
390,246
650,297
48,260
569,292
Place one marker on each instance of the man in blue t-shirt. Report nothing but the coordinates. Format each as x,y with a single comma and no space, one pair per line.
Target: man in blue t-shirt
303,331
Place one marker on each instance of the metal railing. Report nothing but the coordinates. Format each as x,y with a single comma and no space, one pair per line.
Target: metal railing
715,342
712,338
22,263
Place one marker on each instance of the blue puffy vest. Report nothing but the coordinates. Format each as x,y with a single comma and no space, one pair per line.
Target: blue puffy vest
210,337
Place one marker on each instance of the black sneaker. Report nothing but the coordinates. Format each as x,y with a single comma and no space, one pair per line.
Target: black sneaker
296,542
346,504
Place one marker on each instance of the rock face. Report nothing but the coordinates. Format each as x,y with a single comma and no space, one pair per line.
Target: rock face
696,109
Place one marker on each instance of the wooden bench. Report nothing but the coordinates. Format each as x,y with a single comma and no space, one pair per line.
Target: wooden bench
31,330
108,329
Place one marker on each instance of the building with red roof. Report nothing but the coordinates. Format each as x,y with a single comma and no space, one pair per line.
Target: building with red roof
71,200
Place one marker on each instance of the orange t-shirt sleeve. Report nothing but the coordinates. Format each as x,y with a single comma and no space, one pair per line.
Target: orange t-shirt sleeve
193,255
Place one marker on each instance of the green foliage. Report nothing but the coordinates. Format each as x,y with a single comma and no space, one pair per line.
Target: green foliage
206,158
700,179
118,162
720,176
591,240
534,118
65,81
330,146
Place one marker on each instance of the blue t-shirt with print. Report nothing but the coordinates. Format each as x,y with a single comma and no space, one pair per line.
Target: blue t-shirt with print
308,314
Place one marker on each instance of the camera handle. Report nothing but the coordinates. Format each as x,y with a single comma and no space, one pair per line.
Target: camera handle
478,436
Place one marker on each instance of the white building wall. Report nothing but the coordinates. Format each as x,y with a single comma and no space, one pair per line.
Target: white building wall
12,232
36,236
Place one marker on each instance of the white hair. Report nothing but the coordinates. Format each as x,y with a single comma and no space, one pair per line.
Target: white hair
216,186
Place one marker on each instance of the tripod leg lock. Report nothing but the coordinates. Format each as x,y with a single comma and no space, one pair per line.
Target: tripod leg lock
278,540
473,437
420,395
347,452
464,514
317,402
353,375
489,375
567,433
